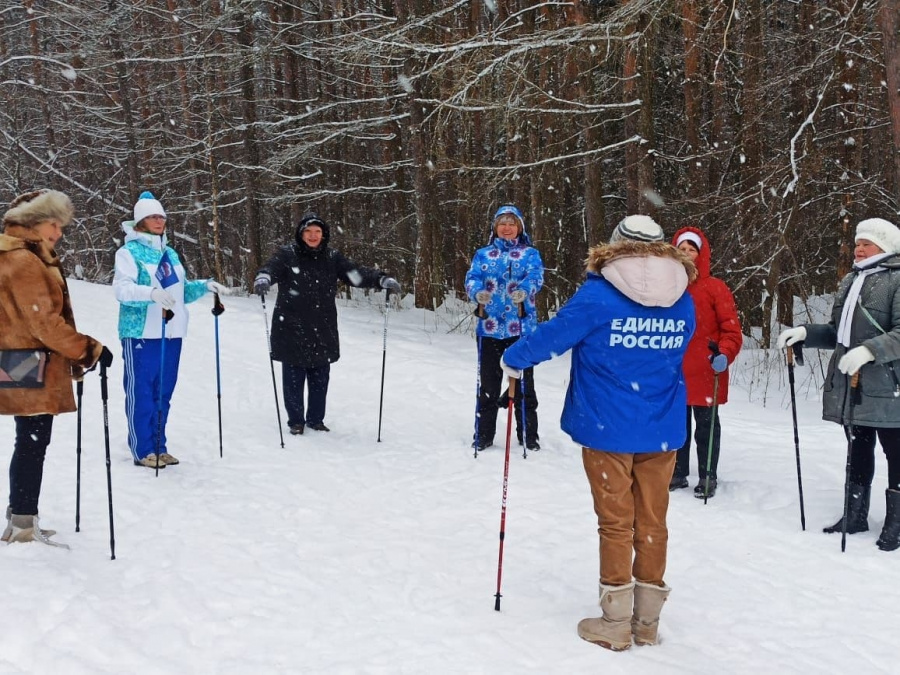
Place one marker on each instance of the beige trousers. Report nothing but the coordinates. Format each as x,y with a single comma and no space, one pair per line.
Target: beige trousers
631,499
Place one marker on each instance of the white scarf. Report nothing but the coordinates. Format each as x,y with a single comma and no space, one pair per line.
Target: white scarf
863,269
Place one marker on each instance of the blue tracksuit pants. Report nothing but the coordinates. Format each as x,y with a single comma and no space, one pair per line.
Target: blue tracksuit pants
145,386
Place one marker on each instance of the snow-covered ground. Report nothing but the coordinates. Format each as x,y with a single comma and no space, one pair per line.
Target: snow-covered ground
340,554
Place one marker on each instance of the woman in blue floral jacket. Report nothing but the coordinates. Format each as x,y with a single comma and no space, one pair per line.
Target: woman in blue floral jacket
504,279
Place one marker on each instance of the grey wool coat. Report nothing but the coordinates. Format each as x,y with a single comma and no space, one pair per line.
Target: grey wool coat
877,401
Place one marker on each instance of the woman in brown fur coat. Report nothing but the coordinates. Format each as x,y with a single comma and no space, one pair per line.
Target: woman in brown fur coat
36,314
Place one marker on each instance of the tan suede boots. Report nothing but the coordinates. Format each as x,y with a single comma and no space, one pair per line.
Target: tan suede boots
629,610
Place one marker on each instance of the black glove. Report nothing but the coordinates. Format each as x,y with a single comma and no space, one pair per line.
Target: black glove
262,284
106,358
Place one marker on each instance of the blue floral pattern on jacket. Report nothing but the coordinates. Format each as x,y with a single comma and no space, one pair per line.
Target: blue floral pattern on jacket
501,268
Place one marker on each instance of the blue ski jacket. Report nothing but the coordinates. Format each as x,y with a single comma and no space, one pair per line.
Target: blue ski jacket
628,327
502,267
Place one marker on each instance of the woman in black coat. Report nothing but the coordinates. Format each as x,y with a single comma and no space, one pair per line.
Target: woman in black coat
304,323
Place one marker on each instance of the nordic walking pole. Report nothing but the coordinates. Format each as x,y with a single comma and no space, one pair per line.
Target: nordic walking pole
714,348
79,391
524,418
167,314
104,396
791,352
217,309
509,423
854,390
387,307
477,394
272,365
712,434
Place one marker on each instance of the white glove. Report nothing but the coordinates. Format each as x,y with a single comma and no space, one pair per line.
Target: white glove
518,296
164,298
855,359
215,287
510,371
483,297
791,337
390,284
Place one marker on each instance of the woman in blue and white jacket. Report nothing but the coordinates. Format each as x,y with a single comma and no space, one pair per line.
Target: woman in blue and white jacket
504,279
148,292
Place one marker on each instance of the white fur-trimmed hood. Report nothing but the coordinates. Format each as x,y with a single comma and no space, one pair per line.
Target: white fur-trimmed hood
653,274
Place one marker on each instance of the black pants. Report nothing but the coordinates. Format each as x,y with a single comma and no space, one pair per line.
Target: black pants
862,455
703,416
26,468
293,380
491,379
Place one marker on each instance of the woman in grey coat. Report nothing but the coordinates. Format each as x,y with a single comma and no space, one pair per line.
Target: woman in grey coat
864,332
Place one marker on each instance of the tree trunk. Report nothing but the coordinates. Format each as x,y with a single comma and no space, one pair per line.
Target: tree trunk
693,102
889,21
122,78
638,76
251,147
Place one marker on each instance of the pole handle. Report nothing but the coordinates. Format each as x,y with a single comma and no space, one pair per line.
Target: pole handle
790,356
218,307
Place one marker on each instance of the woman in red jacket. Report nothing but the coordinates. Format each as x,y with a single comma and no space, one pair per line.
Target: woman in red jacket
717,322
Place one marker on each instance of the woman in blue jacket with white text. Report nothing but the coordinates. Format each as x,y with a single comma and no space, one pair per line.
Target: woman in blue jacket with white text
628,327
504,279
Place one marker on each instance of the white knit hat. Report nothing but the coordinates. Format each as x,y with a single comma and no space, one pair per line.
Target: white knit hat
883,233
147,205
637,228
692,237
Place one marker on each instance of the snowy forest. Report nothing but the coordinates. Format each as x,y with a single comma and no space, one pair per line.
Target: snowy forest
775,126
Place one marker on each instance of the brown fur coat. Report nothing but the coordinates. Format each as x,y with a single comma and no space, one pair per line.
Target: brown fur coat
35,312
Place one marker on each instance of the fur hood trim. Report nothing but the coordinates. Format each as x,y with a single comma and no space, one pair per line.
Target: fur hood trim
600,255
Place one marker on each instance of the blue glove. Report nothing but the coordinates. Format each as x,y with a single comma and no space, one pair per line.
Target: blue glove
719,363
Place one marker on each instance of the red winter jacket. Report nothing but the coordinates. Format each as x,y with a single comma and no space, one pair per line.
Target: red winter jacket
717,320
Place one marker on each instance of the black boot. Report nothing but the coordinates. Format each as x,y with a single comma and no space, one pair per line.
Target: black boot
857,511
890,535
701,491
678,482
